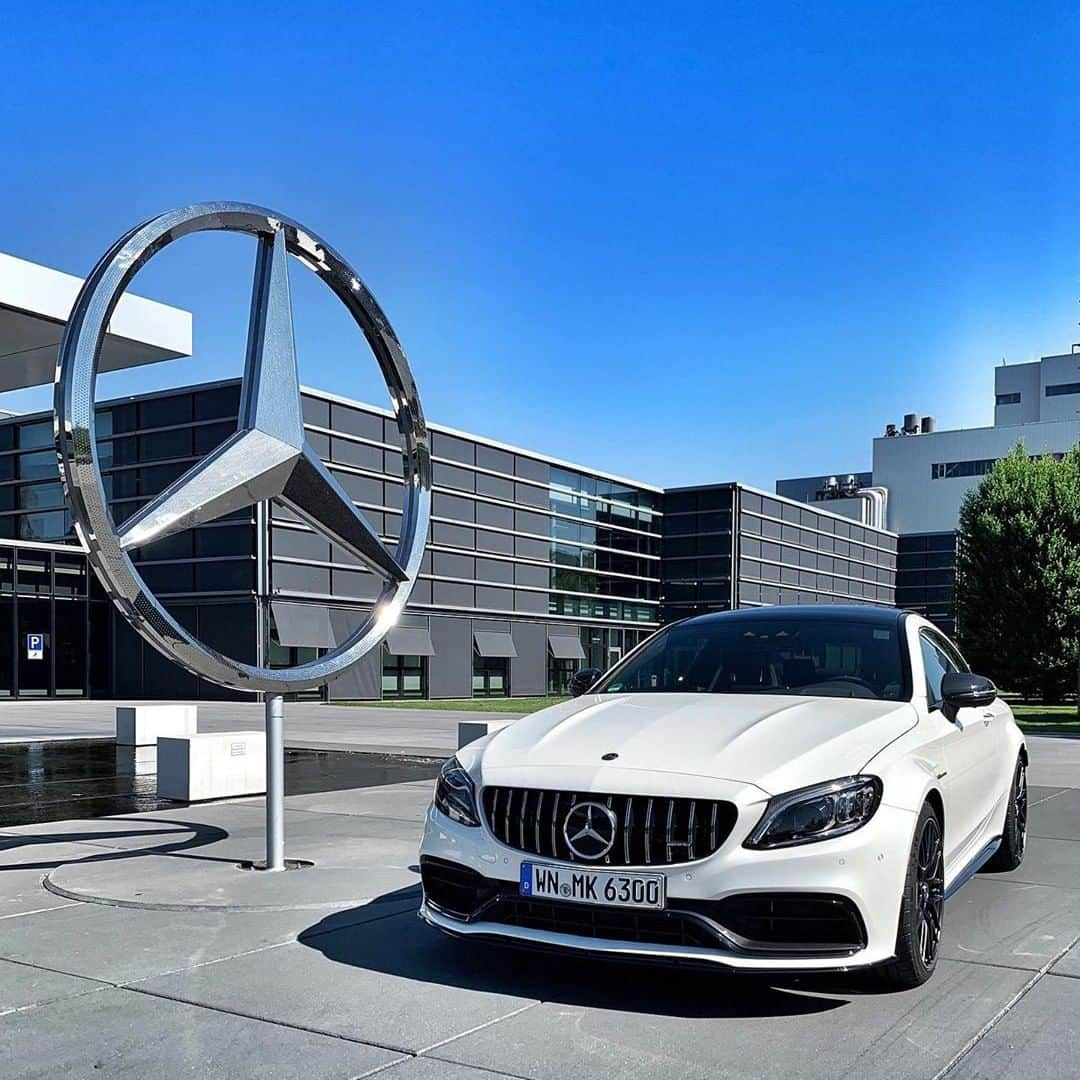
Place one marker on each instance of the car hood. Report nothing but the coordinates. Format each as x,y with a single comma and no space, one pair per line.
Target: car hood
774,742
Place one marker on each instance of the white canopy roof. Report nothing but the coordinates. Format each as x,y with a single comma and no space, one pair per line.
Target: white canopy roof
35,302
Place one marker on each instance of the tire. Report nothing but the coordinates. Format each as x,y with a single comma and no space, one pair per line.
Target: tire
1014,836
919,933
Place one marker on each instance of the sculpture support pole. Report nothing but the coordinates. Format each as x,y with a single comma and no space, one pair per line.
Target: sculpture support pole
275,782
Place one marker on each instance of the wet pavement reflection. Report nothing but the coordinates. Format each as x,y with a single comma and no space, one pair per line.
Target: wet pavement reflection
56,781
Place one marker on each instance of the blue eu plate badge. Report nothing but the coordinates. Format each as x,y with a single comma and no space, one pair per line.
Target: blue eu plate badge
526,879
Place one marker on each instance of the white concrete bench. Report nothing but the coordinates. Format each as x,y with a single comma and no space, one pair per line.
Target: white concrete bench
143,725
470,730
215,765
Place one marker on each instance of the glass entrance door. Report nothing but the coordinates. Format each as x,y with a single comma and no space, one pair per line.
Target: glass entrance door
35,647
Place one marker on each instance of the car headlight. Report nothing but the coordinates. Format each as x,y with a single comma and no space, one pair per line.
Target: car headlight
817,813
455,795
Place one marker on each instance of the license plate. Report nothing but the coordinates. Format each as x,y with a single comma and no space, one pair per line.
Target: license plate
605,887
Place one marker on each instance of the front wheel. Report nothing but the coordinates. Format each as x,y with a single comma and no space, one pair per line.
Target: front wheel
1014,837
919,933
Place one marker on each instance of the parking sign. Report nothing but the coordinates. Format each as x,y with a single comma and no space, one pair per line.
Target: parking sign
35,646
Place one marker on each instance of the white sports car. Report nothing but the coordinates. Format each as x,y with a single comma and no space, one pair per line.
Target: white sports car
780,789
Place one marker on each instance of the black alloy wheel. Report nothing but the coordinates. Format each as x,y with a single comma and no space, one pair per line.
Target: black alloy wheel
930,891
918,936
1020,808
1010,853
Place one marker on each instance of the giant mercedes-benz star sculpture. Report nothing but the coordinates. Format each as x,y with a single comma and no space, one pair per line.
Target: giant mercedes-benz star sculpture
268,458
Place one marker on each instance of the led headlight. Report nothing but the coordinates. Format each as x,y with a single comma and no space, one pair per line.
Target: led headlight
817,813
455,795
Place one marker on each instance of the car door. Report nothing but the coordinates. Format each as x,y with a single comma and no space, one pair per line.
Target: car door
962,771
998,758
967,746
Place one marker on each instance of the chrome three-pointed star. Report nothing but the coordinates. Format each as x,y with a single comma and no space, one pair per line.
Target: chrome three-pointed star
269,457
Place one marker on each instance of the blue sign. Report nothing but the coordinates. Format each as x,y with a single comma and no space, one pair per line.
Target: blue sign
35,646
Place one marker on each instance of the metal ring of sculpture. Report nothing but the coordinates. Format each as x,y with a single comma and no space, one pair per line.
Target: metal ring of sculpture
268,458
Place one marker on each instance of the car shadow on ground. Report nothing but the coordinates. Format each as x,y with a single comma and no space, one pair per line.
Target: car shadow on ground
399,943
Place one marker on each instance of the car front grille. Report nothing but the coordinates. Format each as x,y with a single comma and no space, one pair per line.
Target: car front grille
609,924
651,830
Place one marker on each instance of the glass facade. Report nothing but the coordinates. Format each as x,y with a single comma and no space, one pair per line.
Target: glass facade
698,547
727,546
143,445
925,573
520,545
951,470
54,640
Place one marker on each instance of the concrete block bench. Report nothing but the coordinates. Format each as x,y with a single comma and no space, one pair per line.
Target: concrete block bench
215,765
470,730
143,725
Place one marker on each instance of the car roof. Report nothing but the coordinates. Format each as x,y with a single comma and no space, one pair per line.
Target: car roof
871,614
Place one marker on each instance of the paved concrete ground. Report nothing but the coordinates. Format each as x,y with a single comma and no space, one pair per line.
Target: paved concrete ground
307,724
328,973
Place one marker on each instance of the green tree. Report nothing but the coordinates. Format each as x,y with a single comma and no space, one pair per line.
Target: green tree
1017,595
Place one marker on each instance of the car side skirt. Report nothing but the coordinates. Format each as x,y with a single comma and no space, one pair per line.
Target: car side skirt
974,865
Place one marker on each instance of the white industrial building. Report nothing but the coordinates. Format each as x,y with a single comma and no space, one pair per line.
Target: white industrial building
925,473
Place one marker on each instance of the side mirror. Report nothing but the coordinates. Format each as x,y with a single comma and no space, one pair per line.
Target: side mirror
963,690
583,680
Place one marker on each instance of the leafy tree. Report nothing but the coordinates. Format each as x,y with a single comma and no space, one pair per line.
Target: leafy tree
1017,594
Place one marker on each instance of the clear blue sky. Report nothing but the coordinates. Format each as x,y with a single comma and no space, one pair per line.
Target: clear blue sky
684,243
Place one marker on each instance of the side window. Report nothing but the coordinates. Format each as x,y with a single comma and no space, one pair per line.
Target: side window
950,650
937,663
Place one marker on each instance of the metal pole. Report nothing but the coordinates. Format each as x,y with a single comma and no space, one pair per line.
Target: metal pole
275,782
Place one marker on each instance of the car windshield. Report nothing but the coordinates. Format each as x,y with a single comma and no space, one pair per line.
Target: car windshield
730,655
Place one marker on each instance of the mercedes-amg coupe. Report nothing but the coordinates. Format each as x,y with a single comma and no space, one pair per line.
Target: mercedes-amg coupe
778,789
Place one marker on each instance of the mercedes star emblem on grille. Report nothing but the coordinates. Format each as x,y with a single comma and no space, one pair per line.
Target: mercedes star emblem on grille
589,829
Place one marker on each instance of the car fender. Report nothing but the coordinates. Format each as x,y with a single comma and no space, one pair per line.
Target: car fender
909,771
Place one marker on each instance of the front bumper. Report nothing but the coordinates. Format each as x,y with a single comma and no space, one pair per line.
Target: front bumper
825,906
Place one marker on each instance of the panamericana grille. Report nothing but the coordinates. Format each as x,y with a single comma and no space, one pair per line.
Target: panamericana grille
652,830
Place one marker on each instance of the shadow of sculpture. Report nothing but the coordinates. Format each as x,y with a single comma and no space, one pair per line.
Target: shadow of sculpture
189,836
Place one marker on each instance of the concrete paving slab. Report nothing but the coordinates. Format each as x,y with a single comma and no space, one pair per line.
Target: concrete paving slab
1054,761
394,982
428,1068
1056,816
1001,922
1069,964
1048,862
21,890
119,945
1037,1037
408,802
227,830
180,828
122,1035
166,882
689,1027
22,986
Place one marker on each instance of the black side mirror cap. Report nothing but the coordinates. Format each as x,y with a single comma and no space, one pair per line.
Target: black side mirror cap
965,690
584,680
